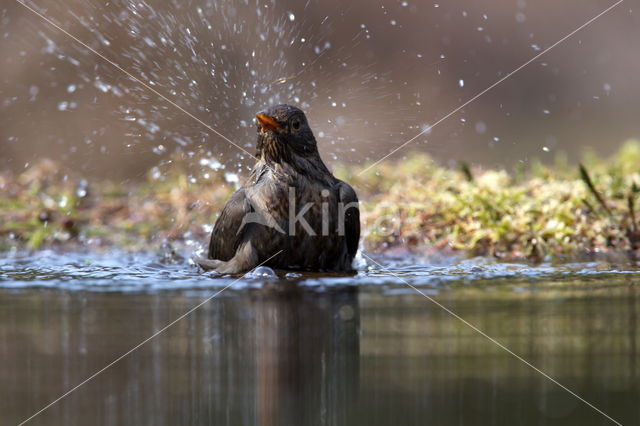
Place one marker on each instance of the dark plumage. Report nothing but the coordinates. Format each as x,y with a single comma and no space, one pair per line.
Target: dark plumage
288,181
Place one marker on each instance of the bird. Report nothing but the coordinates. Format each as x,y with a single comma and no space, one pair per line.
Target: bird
291,213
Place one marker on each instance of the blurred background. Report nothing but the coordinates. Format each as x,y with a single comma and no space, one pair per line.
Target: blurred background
369,74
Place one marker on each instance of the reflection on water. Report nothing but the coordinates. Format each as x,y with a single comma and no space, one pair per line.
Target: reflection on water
281,356
296,354
307,358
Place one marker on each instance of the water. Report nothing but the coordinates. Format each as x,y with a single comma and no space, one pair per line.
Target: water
316,349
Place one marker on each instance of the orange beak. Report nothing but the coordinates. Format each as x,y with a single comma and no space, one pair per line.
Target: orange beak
268,123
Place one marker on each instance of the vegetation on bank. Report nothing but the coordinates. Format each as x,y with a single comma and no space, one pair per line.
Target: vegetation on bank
413,204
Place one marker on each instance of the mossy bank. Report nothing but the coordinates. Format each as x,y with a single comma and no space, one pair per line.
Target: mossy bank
414,204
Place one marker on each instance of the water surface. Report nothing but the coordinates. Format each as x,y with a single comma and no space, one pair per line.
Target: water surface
316,349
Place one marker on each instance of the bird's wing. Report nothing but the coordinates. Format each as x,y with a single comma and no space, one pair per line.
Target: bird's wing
349,200
225,237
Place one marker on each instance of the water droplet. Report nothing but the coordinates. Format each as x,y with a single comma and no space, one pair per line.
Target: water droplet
33,91
212,163
160,149
292,275
262,272
100,85
231,177
155,173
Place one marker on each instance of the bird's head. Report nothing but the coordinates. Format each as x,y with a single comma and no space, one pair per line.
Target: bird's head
284,134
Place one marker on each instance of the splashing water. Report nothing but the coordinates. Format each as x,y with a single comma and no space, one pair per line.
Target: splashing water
150,272
368,76
220,61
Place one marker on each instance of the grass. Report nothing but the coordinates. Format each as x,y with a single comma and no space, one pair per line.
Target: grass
556,211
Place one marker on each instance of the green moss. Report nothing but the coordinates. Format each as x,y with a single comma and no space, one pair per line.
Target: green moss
416,204
542,211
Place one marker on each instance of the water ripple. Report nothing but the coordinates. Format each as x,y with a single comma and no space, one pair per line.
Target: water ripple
121,271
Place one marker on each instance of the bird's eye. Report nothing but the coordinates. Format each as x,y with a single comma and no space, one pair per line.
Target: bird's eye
295,124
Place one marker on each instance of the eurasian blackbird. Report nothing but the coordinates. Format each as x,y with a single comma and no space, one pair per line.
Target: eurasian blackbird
290,203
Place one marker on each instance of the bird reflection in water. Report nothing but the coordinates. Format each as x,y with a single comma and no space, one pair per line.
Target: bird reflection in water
307,357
